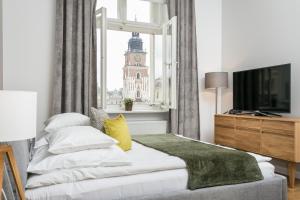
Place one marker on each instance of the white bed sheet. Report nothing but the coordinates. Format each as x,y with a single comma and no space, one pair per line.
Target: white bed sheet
128,187
125,187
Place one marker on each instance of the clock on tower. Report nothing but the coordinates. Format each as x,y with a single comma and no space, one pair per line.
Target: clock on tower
137,58
135,71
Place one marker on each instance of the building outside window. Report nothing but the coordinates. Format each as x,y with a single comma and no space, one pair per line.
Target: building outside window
136,71
142,66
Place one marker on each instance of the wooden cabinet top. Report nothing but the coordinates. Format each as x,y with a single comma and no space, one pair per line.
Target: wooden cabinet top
288,119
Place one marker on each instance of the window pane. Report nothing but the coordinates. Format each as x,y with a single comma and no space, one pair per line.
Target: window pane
127,67
98,67
111,7
138,10
158,86
170,65
169,61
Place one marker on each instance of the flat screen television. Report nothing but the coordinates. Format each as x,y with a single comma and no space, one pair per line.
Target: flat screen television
265,89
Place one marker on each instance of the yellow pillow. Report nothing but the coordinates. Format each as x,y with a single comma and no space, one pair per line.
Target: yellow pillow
117,128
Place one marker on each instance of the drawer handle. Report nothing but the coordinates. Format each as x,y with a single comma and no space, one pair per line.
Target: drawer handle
247,129
278,132
225,126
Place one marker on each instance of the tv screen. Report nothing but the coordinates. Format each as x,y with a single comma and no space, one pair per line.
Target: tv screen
265,89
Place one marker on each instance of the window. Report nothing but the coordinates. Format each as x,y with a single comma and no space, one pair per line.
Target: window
111,7
136,59
138,10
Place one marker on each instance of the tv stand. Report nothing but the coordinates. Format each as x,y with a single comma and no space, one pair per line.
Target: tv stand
277,137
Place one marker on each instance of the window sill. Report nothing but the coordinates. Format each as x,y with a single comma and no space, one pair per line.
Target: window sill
121,111
137,108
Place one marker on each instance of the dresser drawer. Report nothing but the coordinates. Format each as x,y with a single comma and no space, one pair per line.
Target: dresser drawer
278,146
225,121
248,123
278,127
248,140
224,136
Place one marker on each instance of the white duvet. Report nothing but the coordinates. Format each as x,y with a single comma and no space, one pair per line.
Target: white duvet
143,160
44,162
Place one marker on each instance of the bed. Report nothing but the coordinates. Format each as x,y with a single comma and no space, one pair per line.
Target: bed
153,175
165,177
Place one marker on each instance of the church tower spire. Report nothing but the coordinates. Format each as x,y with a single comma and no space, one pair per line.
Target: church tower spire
135,43
135,71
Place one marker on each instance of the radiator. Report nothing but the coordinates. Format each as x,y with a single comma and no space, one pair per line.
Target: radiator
147,127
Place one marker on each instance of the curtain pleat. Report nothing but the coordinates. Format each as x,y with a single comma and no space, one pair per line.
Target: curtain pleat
185,120
75,80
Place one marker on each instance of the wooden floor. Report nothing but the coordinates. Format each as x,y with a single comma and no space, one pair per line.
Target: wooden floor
294,194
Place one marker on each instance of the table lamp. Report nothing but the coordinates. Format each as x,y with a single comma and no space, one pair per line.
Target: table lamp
17,122
216,80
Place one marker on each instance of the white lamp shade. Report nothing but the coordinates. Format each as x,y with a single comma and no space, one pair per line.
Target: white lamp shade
17,115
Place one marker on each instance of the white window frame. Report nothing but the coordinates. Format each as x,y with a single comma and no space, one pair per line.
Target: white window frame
102,23
170,65
122,24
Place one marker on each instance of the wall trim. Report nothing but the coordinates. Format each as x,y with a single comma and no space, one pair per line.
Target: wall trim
147,127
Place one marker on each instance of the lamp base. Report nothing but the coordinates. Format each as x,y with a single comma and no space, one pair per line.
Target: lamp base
217,95
8,151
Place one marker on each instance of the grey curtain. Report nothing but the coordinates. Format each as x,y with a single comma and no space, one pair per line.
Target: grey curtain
185,119
75,79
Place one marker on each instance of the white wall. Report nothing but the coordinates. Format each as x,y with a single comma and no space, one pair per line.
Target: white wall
28,49
209,50
258,33
1,48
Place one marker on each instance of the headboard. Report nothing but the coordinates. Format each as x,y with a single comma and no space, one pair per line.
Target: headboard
22,152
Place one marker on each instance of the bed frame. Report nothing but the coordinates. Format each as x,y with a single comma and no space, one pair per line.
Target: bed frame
269,189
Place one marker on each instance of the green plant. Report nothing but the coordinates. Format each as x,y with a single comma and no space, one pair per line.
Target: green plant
128,101
128,104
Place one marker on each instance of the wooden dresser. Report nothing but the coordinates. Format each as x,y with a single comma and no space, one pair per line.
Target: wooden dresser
277,137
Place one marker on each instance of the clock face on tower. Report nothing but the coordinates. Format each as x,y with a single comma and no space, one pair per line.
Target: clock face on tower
137,58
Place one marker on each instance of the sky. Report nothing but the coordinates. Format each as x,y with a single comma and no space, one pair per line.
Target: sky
135,8
117,41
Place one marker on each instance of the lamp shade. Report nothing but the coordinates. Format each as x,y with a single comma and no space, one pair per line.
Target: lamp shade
17,115
216,80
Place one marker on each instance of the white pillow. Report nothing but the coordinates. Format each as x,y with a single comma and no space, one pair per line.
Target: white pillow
78,138
260,158
42,141
44,162
65,120
40,153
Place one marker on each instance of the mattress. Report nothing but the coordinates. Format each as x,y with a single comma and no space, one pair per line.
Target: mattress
131,186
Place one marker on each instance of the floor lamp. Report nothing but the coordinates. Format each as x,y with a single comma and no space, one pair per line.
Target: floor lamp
17,122
216,80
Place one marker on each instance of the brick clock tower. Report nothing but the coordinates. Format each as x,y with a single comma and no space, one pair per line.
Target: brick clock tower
135,71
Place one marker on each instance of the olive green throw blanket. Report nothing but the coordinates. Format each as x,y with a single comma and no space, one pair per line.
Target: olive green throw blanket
207,165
